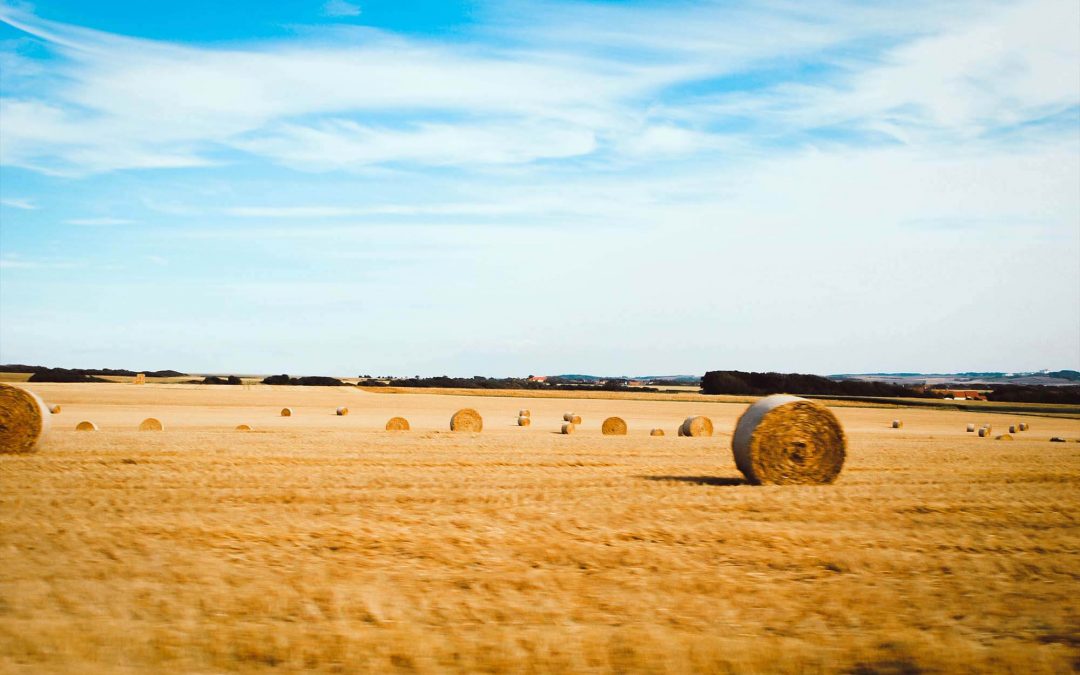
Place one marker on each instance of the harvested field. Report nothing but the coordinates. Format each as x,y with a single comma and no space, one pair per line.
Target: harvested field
322,542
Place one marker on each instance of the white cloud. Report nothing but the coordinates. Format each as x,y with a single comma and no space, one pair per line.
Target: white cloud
22,204
102,221
341,8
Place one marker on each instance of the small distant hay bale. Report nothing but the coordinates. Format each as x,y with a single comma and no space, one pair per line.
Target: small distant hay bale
140,378
286,412
1023,426
86,425
524,413
697,425
342,411
568,427
1057,439
785,439
656,432
971,428
571,418
397,424
24,420
984,432
1012,428
466,419
243,427
524,420
151,424
1003,437
897,424
613,426
54,409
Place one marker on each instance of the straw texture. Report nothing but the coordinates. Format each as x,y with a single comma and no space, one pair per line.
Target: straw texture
697,425
24,420
785,439
151,424
613,426
466,419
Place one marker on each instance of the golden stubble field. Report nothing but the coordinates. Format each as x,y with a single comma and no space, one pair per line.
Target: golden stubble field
322,542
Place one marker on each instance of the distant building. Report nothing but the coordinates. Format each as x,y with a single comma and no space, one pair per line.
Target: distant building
538,378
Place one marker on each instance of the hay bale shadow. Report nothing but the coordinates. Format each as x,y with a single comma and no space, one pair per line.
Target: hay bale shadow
722,481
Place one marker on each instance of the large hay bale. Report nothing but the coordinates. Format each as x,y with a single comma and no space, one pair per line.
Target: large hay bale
1012,428
524,421
86,425
140,378
466,419
656,432
243,427
785,439
896,424
397,424
54,409
286,412
696,425
1023,426
524,413
984,432
971,427
613,426
571,418
568,427
342,411
24,419
151,424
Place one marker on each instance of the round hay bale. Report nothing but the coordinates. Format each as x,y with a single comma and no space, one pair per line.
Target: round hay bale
785,439
524,413
342,411
151,424
697,425
572,418
1012,428
984,432
1003,437
524,420
86,425
24,419
1023,426
568,427
55,409
286,412
971,428
656,432
896,424
243,427
397,424
613,426
466,419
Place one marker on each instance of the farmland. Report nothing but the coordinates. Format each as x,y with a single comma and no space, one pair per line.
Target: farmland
324,542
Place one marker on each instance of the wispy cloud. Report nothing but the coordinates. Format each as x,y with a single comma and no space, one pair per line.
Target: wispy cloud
341,8
104,221
23,204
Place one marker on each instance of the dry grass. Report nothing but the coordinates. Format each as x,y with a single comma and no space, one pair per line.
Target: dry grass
325,543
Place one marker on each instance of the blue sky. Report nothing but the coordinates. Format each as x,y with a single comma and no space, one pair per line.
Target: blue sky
515,188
